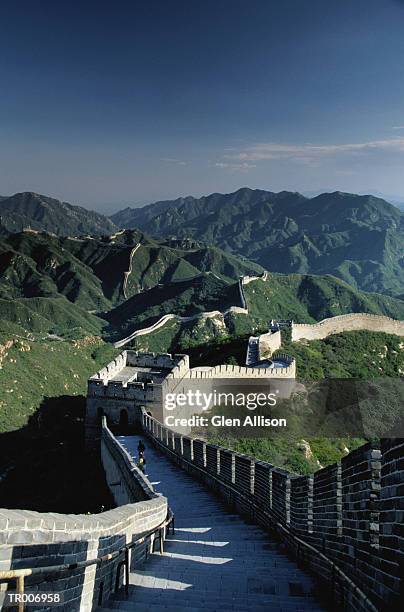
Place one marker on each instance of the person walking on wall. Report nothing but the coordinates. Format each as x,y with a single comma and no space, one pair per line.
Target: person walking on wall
141,463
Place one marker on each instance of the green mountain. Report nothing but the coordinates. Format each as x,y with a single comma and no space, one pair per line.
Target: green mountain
309,298
304,298
79,277
114,284
38,265
185,298
39,212
54,315
34,366
357,238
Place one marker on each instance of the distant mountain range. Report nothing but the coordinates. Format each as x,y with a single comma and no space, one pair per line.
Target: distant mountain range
75,270
39,212
357,238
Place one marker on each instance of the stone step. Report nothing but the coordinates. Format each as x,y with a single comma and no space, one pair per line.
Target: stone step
214,561
178,606
238,572
185,607
198,595
210,605
217,597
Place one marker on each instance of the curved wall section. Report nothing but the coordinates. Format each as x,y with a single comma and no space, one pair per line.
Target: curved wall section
32,539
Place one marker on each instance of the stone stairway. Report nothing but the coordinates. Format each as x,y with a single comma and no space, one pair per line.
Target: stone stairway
252,351
215,560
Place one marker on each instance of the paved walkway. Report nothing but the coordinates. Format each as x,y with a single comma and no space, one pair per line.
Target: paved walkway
215,561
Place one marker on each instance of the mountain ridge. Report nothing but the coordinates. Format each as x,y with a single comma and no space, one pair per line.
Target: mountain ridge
358,238
42,213
86,276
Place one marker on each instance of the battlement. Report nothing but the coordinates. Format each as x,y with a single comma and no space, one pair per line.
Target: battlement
348,322
140,366
235,371
344,520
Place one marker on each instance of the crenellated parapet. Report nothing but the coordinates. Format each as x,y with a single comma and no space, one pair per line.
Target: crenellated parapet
344,323
84,554
343,522
111,368
235,371
162,362
121,390
132,380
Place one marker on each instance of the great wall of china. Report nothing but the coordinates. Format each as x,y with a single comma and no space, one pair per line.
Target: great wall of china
144,378
129,271
348,322
264,346
340,528
242,309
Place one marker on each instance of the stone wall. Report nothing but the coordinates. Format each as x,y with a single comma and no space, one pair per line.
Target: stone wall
140,359
241,309
33,540
234,371
111,368
390,566
113,401
243,300
250,279
344,522
114,398
348,322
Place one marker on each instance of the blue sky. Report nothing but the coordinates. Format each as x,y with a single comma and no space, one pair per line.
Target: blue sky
114,103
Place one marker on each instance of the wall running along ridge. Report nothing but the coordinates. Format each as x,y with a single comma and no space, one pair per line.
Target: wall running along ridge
243,309
33,539
129,271
348,322
349,513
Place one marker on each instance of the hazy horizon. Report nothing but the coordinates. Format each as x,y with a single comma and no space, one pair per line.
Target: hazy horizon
113,208
112,105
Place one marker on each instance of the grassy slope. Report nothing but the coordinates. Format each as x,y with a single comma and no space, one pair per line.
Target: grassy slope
356,354
307,298
42,407
53,315
33,368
